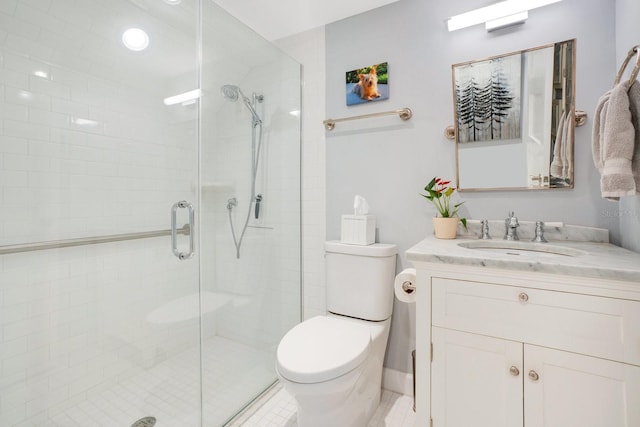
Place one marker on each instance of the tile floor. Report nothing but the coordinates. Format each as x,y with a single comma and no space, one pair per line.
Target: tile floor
278,409
169,391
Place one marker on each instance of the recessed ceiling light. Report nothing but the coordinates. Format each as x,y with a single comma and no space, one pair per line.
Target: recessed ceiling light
135,39
173,2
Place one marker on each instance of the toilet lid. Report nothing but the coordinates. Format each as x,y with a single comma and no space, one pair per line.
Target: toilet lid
322,348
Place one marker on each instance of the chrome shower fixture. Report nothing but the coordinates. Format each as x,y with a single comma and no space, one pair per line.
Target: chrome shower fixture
233,92
231,203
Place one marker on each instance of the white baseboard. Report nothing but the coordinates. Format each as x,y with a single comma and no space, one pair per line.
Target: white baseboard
397,381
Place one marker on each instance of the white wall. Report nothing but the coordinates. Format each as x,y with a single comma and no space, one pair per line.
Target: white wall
389,161
627,36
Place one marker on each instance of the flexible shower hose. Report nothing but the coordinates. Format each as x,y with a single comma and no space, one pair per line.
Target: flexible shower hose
255,158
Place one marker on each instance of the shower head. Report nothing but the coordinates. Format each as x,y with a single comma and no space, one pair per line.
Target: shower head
233,92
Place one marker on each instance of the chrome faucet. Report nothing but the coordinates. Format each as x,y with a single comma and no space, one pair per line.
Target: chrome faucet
539,233
511,227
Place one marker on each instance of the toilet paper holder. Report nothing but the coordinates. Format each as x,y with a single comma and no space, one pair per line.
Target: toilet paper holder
408,287
405,285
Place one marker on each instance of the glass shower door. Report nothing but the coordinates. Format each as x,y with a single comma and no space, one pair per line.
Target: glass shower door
250,211
99,321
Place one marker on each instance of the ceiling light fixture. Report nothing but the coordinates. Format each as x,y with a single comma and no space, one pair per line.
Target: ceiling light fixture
135,39
509,11
185,98
42,74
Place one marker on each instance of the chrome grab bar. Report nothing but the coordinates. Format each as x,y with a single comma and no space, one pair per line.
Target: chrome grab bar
174,239
84,241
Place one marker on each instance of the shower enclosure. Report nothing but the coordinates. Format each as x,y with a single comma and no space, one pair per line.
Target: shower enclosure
107,318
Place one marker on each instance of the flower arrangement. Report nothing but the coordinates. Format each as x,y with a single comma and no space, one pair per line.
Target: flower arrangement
439,193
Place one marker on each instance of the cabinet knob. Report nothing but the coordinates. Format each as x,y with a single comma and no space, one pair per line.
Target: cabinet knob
523,297
514,371
533,376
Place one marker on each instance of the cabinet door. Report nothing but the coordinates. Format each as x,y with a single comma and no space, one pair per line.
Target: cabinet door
566,389
476,380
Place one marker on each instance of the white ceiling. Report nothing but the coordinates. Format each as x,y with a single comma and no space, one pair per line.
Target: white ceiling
275,19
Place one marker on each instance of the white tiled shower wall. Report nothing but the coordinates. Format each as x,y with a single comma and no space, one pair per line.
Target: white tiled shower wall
308,48
87,148
265,279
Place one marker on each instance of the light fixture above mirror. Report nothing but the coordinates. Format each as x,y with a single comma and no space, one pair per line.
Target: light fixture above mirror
497,15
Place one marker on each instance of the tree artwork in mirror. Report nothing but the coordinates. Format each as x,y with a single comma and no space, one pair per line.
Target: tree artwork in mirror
515,119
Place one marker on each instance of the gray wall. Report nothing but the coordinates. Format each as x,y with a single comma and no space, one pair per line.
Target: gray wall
389,162
627,36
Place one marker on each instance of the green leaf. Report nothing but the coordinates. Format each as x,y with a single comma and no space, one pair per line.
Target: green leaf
430,184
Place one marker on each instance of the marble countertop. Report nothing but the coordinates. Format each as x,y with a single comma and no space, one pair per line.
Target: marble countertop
592,259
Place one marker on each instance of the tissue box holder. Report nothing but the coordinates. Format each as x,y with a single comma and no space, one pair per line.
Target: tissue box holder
358,229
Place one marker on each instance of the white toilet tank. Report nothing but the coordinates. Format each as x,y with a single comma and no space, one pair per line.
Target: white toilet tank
360,279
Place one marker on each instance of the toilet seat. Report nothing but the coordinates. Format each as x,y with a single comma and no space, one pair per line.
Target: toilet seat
322,348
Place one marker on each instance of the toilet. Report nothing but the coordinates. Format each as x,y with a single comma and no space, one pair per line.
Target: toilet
332,364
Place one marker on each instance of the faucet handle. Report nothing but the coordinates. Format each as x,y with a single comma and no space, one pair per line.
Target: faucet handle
539,233
484,229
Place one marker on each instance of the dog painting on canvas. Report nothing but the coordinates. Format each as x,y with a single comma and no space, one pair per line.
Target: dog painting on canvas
367,84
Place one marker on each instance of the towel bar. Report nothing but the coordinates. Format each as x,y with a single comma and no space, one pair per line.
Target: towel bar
403,113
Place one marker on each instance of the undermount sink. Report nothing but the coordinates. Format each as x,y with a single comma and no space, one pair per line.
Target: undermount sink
517,247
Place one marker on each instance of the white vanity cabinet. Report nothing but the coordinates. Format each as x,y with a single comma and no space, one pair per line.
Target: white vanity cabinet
485,381
509,348
476,380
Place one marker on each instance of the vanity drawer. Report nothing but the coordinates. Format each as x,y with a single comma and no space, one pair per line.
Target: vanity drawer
598,326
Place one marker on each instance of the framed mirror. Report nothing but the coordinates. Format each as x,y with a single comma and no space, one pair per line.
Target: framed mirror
515,119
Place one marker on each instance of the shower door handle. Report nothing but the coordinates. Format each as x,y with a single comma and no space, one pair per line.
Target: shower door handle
174,238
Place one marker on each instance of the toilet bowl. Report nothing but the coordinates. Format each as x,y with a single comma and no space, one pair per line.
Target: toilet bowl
332,364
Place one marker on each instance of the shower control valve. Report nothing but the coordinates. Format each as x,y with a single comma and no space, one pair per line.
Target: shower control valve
231,203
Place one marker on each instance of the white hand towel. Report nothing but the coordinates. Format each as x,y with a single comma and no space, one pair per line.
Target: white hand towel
618,146
599,119
567,164
557,164
634,106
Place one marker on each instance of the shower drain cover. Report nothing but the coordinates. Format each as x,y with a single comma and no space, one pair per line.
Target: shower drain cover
145,422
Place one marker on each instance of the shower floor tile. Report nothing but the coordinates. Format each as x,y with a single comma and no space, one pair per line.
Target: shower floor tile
170,391
278,409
